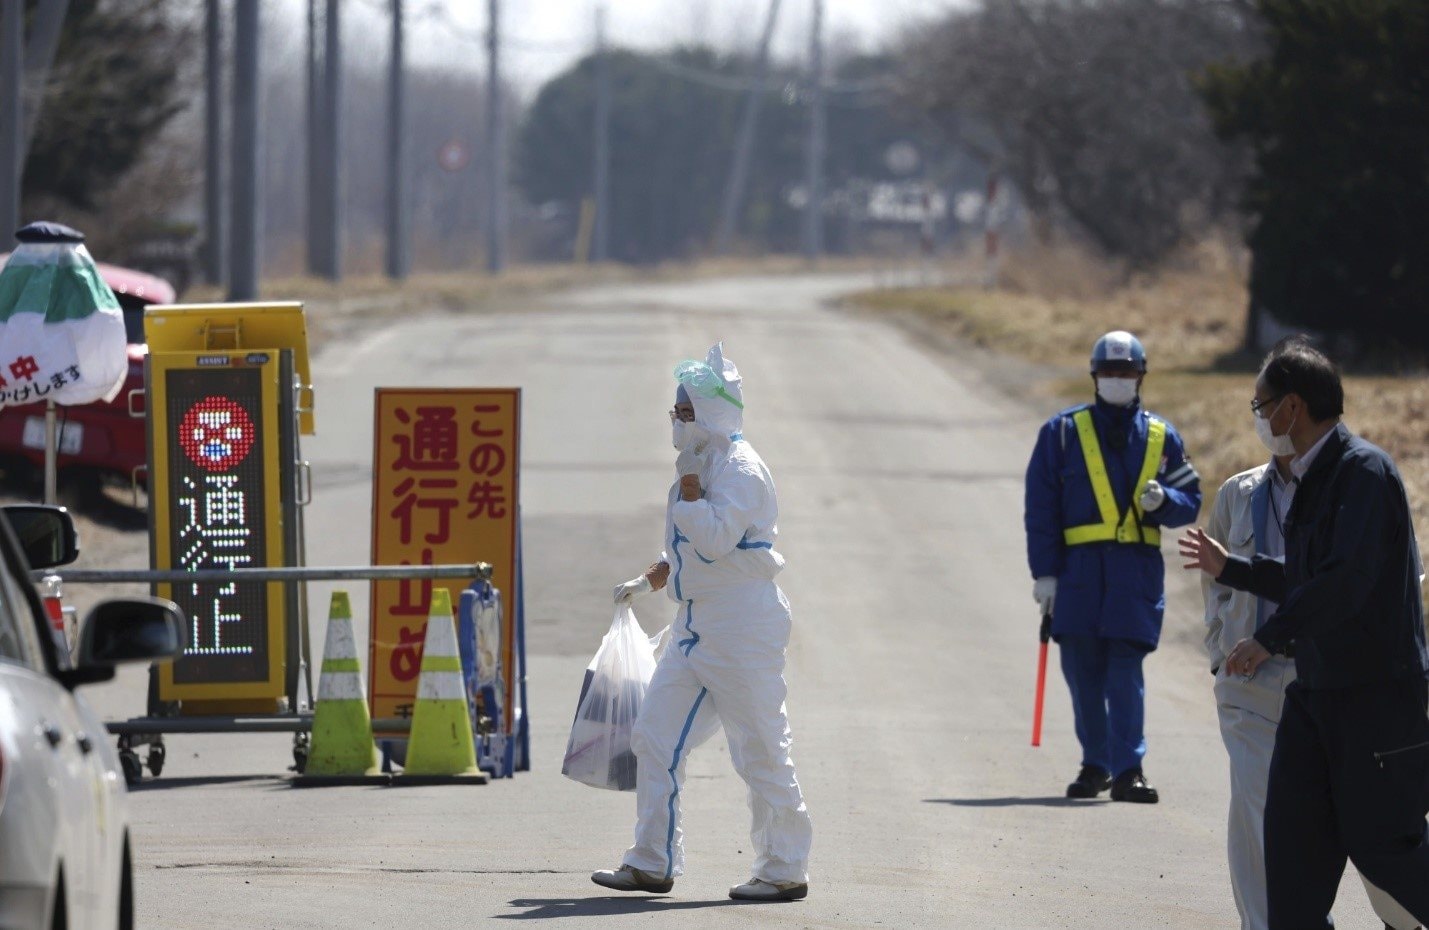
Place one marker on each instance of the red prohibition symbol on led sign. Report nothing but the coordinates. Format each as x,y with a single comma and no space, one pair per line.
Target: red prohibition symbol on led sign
216,433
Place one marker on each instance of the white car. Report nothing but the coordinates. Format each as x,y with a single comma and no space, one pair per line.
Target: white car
64,823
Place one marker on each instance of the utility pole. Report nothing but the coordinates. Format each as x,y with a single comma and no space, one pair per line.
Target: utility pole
600,240
329,251
12,162
39,56
814,169
243,245
398,253
314,138
213,218
496,145
739,171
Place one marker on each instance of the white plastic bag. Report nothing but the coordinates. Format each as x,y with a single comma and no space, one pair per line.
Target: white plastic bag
598,752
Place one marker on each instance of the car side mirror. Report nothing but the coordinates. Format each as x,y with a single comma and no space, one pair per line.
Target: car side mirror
134,629
47,535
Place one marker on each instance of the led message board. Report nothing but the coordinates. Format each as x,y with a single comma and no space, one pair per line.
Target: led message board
216,503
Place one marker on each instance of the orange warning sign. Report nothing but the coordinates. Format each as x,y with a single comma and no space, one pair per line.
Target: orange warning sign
445,480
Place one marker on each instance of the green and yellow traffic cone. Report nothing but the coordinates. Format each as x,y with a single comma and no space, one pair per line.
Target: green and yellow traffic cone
440,748
342,751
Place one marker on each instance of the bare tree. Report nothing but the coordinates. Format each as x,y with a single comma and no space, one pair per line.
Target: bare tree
1088,106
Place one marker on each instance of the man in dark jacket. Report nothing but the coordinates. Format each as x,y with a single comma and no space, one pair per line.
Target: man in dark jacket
1350,771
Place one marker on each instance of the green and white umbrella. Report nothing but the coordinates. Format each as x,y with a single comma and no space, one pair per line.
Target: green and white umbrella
61,330
62,338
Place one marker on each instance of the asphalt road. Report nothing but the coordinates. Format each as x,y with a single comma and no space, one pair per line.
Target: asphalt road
911,666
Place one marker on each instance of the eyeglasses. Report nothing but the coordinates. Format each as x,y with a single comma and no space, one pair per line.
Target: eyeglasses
1256,406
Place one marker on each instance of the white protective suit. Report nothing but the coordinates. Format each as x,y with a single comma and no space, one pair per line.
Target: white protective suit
1250,710
724,662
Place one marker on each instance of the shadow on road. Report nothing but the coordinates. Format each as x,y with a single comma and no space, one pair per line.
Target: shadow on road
83,492
106,511
551,908
200,781
1017,802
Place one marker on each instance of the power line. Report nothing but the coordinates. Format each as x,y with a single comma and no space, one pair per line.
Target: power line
742,85
882,82
436,12
712,79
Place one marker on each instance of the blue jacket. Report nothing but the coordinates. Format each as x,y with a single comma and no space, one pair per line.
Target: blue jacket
1109,589
1349,587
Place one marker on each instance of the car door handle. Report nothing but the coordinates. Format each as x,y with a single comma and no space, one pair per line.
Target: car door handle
84,743
52,733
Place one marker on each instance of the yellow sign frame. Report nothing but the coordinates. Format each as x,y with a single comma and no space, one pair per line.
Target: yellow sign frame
230,327
163,557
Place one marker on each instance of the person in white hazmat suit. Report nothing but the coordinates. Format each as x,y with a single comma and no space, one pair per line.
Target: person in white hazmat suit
724,661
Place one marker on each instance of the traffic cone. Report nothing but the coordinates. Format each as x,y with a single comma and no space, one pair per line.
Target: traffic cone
342,751
440,747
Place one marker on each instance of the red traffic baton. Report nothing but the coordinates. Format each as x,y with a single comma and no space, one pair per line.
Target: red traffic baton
1044,634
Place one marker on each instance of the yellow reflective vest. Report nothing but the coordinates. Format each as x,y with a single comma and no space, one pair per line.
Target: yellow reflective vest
1114,527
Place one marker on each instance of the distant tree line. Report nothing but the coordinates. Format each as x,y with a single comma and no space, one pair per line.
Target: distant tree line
1141,124
673,137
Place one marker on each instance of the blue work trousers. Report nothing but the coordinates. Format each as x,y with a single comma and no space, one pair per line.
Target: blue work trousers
1108,699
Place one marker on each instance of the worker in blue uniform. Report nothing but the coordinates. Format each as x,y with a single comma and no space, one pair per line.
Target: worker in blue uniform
1103,479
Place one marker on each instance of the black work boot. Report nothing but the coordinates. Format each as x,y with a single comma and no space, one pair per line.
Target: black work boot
1091,781
1132,786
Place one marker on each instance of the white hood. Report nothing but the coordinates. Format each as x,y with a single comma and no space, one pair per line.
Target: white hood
717,398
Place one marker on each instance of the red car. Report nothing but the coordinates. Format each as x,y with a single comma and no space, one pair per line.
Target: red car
99,442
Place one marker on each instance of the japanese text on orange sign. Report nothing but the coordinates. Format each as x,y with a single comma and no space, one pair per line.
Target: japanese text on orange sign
444,489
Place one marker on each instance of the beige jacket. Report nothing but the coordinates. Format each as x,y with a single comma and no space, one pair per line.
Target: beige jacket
1231,615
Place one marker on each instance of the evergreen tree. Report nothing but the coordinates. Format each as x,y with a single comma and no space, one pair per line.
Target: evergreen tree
113,86
1338,114
674,122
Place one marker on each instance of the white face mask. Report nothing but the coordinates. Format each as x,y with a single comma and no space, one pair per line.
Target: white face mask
688,436
1278,445
1119,392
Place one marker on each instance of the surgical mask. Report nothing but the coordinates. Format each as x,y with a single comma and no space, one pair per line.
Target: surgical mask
1119,392
1278,445
690,437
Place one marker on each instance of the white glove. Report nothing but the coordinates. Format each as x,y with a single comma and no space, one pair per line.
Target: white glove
625,593
1044,592
1152,496
689,463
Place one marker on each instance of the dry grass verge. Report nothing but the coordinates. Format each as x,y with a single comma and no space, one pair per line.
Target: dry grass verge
358,300
1191,319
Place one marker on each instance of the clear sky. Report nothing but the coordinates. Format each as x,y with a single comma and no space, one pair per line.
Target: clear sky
547,35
